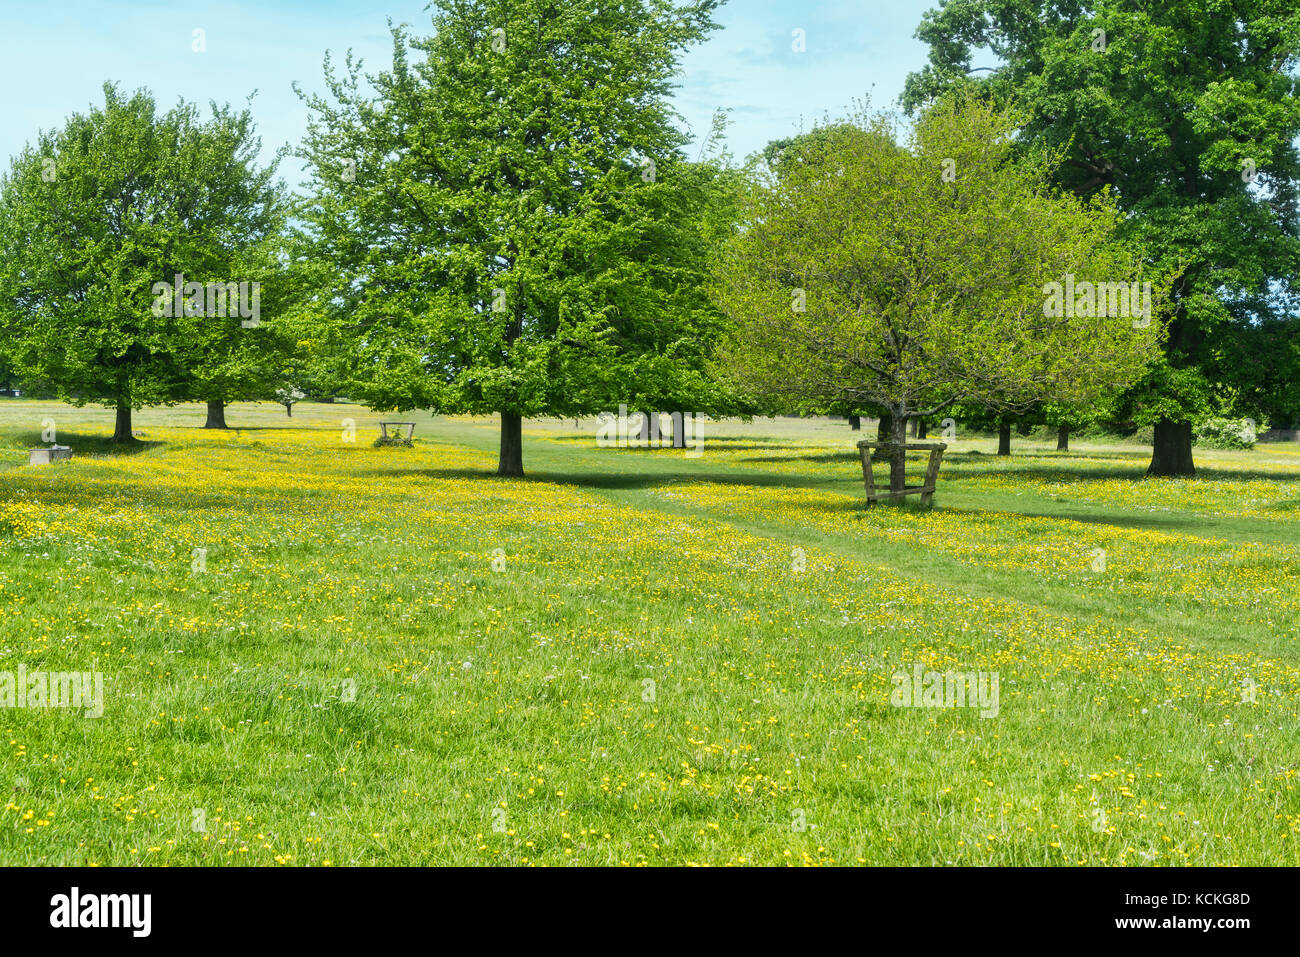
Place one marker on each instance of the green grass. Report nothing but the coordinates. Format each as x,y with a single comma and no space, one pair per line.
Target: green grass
649,672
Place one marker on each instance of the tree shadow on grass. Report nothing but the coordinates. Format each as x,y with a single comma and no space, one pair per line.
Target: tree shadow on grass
975,455
290,426
723,443
850,507
82,444
1045,473
851,480
609,480
972,459
1249,528
1147,522
829,457
1203,473
1055,465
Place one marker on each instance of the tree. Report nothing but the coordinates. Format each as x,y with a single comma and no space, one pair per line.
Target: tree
289,396
500,214
308,346
666,336
1190,119
100,221
1267,364
790,154
912,276
1064,417
984,417
229,361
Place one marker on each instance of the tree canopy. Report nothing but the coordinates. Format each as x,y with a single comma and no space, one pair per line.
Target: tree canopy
912,274
98,217
1189,116
510,214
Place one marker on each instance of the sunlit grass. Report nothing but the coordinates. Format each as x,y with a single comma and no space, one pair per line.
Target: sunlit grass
631,657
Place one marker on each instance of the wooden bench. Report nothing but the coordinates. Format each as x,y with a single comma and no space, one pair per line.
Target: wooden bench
410,430
925,490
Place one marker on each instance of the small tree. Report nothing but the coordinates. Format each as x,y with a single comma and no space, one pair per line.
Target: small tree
288,396
912,276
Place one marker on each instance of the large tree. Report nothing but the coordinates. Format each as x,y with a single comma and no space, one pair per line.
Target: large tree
1188,113
96,216
911,276
501,211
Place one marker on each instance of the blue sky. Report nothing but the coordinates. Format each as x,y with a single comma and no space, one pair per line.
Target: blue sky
59,52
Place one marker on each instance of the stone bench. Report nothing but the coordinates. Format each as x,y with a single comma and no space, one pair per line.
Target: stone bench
55,453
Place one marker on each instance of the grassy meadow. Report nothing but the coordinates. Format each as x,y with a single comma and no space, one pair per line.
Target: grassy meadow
390,656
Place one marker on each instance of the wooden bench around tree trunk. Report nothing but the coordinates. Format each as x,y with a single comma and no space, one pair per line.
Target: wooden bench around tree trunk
925,490
410,430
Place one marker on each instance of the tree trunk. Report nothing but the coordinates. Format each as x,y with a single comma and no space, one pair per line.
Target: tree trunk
650,430
679,429
1171,452
1004,437
511,463
898,453
922,430
912,426
855,422
288,409
1063,438
122,427
216,415
885,427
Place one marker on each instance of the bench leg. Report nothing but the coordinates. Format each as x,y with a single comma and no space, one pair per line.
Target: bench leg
931,476
867,478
